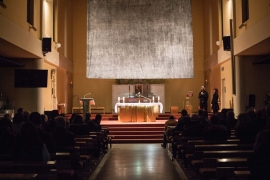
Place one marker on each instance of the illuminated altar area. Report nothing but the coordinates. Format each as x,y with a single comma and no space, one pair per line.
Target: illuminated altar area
138,112
138,102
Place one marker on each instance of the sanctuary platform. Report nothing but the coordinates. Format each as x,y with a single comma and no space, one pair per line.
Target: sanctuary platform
135,132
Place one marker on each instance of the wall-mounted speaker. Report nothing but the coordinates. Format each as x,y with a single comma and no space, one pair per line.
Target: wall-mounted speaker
226,43
46,44
251,99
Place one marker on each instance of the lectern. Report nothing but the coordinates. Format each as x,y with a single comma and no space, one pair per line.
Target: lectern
86,105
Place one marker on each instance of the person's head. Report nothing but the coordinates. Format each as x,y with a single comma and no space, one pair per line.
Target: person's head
194,117
53,114
220,116
200,113
29,131
215,91
78,119
243,120
26,114
205,114
252,114
230,115
44,118
262,142
171,117
267,111
60,121
184,113
98,118
35,118
20,110
8,116
5,124
259,113
202,88
87,115
18,118
214,120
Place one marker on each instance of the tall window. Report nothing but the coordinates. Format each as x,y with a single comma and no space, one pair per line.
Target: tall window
245,11
30,12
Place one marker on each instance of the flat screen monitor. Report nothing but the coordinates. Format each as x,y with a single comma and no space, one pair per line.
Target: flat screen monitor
30,78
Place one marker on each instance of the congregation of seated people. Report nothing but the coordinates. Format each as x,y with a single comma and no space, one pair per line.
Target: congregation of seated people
35,137
250,127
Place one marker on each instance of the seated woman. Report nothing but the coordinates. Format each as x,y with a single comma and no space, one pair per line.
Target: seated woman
259,161
62,137
216,131
170,122
245,130
78,127
28,146
6,136
97,121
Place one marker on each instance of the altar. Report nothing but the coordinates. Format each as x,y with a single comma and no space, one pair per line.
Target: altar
138,112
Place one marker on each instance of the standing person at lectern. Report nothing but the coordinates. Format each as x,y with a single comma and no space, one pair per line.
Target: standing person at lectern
203,96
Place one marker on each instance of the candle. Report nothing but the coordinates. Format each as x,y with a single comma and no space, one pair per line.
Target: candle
153,99
158,98
123,99
118,98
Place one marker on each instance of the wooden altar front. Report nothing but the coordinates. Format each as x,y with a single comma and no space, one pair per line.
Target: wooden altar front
138,112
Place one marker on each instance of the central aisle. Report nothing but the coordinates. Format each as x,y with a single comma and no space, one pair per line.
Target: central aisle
138,161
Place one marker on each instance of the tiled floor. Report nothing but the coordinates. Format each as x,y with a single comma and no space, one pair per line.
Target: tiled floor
138,161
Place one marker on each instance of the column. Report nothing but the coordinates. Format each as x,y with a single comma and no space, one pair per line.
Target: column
38,103
239,103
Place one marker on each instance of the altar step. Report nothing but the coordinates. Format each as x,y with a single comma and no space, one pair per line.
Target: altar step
114,117
136,133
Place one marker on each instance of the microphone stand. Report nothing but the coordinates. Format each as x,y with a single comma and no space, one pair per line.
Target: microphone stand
86,95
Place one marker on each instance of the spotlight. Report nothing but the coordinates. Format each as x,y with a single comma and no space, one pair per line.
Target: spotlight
57,45
218,43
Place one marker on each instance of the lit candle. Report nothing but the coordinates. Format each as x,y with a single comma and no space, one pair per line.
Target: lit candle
153,99
158,98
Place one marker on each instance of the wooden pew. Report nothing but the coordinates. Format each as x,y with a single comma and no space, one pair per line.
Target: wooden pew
224,168
241,174
44,169
223,162
220,172
68,164
18,176
193,153
188,148
226,154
